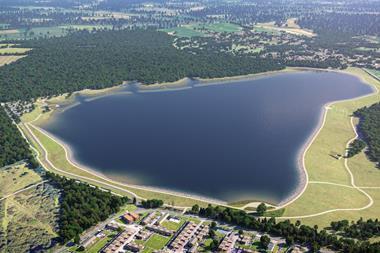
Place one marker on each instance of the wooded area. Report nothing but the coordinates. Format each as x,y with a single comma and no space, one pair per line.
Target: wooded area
107,58
369,127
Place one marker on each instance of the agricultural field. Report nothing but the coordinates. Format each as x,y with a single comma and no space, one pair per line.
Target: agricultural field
201,30
290,27
29,219
220,27
9,59
13,50
52,31
184,31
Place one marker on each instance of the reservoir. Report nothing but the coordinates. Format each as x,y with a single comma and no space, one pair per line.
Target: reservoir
235,140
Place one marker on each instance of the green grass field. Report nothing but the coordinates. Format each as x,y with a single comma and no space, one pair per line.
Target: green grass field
14,50
184,31
220,27
51,31
172,225
155,242
56,154
322,167
200,30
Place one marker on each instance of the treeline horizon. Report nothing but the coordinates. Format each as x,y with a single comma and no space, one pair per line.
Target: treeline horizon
103,59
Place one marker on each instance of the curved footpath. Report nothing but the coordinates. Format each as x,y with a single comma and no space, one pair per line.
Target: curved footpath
113,185
107,182
353,185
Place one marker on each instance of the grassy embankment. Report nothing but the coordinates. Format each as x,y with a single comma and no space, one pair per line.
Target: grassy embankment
56,155
321,166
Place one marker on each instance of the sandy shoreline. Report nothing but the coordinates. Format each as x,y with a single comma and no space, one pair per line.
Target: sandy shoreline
180,84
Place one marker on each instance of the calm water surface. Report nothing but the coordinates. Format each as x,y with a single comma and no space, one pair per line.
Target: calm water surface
232,141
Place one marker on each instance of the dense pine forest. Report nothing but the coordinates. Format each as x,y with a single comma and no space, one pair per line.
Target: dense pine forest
83,206
13,147
369,127
107,58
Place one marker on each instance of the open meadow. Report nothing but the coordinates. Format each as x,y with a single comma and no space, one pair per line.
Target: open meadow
330,183
28,219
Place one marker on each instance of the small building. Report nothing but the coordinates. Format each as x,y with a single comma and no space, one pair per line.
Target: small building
129,217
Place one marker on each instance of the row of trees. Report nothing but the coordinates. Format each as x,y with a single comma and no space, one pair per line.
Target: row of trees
362,230
83,206
13,147
106,58
302,234
355,147
369,128
152,203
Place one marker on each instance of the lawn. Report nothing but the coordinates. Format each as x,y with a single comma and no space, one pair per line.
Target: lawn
155,242
172,225
322,167
184,31
221,27
95,248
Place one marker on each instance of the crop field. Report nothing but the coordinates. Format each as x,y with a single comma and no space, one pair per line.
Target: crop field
28,219
220,27
6,59
200,30
291,27
184,31
14,50
51,31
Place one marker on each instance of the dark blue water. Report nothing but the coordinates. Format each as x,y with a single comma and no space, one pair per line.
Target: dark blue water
232,141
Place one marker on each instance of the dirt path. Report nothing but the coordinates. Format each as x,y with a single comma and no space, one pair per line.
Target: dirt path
22,190
353,185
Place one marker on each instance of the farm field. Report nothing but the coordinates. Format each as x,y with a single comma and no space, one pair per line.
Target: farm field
6,59
199,29
52,31
290,27
14,50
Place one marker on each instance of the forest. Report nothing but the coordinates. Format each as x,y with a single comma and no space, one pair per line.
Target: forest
369,128
106,58
296,232
83,206
13,147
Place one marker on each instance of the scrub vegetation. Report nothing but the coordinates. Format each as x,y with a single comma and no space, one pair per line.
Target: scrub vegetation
29,220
